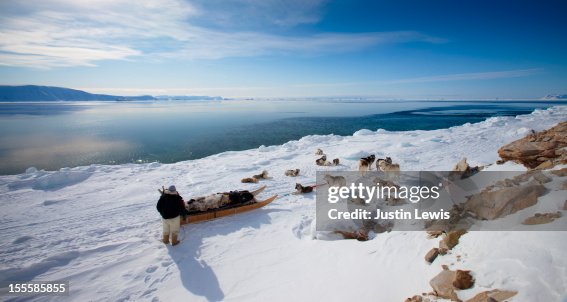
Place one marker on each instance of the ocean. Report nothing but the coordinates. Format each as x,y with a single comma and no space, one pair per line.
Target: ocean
67,134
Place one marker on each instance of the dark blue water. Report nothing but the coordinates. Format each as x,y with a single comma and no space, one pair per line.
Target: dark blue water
55,135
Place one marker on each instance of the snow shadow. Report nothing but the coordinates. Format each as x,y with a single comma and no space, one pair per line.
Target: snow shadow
196,275
32,271
52,181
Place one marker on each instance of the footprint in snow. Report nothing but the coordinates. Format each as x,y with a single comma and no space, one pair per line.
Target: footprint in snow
22,239
151,269
303,228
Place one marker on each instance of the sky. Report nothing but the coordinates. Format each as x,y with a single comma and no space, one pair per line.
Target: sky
288,48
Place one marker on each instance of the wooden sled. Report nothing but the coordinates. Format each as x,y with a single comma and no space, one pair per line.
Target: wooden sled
256,192
227,211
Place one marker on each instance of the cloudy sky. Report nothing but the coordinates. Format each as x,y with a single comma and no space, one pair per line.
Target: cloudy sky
288,48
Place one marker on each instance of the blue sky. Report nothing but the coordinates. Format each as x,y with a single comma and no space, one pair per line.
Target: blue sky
294,48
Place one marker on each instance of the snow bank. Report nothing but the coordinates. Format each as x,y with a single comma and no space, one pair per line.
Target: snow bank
98,228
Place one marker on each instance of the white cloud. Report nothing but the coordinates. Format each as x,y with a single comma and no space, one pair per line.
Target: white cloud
55,33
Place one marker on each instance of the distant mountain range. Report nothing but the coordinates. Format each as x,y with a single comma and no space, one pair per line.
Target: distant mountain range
34,93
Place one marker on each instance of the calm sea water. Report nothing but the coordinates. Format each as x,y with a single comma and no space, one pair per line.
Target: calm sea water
55,135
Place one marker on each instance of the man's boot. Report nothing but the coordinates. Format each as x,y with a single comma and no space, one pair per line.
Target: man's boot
174,239
166,239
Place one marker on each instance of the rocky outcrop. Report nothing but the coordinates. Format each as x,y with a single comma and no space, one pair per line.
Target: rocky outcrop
463,280
540,150
442,284
494,295
539,218
431,255
416,298
464,170
360,235
560,172
451,239
499,201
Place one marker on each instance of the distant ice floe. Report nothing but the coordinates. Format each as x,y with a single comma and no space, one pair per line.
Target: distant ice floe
363,132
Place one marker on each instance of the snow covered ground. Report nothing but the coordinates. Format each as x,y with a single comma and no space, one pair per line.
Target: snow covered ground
97,227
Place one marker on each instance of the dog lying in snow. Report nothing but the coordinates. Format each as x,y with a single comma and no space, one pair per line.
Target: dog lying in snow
299,189
263,175
322,161
292,173
319,152
365,163
249,180
335,181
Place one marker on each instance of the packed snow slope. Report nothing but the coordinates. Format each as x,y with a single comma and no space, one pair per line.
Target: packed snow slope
97,227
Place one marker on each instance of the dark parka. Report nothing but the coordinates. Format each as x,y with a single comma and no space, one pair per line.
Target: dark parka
170,205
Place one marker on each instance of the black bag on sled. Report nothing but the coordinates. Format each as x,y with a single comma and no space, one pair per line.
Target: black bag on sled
240,197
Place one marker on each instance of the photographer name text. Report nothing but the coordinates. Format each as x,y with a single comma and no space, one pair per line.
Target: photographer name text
399,214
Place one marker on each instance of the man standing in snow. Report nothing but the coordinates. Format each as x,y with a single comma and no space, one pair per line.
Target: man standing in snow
170,205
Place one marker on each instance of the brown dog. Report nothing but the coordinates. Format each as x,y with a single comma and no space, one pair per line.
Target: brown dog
263,175
249,180
336,161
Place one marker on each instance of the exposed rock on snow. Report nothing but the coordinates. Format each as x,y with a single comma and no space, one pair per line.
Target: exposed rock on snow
463,166
539,218
541,150
434,234
431,255
560,172
447,282
463,280
416,298
360,235
442,284
499,201
495,295
451,240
